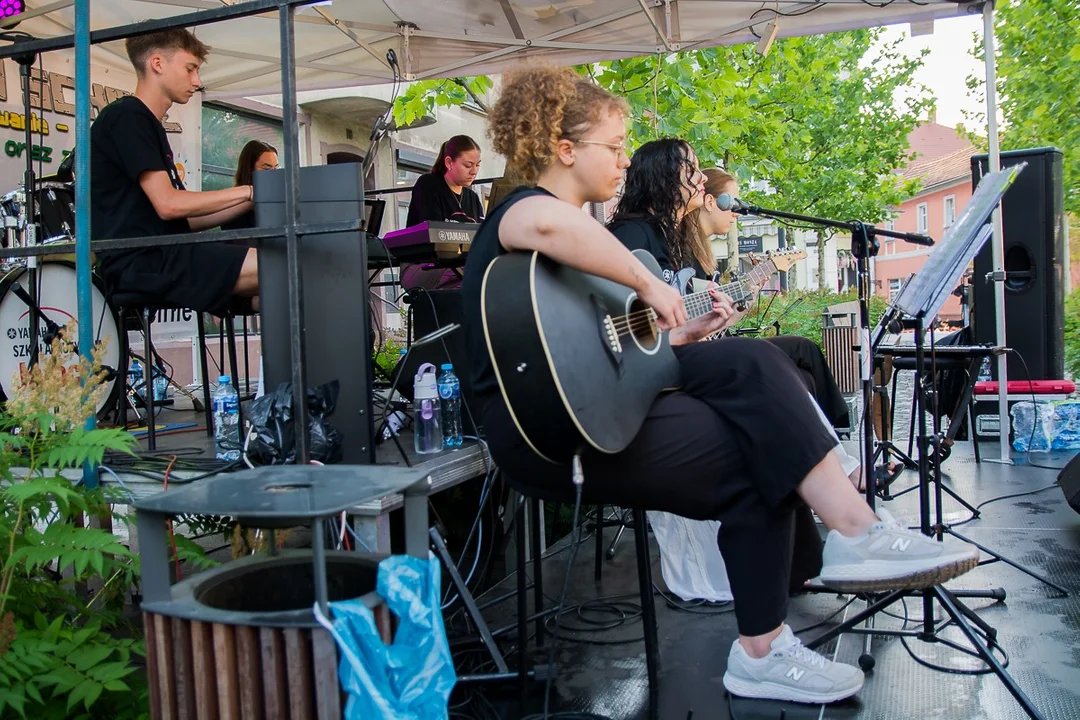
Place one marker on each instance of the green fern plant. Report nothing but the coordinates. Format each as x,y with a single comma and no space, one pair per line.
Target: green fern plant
67,649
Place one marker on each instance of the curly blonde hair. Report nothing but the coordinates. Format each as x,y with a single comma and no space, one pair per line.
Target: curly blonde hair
538,107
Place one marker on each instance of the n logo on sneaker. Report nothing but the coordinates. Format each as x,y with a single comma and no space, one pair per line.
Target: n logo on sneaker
901,544
795,673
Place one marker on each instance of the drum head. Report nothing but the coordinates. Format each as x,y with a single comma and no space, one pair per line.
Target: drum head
58,300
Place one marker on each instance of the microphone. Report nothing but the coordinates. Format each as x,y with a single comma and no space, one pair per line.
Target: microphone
726,202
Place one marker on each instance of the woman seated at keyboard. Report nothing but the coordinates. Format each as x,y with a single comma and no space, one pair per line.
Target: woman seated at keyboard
444,195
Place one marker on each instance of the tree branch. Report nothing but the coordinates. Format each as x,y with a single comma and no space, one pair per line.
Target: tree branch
475,98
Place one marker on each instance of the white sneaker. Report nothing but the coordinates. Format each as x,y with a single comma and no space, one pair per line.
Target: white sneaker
891,557
790,672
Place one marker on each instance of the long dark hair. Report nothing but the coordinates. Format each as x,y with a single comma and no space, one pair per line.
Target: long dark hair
245,164
653,190
453,149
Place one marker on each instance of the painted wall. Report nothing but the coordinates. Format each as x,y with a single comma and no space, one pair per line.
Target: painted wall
53,99
898,259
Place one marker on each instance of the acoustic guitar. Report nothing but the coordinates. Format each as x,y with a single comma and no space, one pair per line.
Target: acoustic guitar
580,359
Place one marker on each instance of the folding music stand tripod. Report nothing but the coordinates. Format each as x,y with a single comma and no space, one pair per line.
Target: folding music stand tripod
921,300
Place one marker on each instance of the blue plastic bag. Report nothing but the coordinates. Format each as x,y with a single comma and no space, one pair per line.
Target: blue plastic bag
412,678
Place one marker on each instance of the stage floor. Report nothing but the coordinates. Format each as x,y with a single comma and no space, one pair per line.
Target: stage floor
1039,629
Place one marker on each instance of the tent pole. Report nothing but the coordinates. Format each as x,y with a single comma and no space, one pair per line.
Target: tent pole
83,285
997,243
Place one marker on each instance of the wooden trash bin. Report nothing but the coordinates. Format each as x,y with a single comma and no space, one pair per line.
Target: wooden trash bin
241,640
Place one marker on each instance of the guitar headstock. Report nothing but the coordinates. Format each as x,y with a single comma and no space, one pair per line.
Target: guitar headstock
784,260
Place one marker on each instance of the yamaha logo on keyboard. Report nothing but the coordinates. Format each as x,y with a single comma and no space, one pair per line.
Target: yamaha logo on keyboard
454,236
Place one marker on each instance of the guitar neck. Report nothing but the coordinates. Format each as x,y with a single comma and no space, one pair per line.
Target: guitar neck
700,303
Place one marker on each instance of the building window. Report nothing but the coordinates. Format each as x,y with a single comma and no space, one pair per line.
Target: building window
950,211
922,218
890,246
409,167
894,288
890,224
225,132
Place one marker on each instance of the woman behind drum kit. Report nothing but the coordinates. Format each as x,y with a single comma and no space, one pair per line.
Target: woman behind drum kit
256,155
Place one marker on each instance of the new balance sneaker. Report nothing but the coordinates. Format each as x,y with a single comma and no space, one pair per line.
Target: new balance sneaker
790,672
891,557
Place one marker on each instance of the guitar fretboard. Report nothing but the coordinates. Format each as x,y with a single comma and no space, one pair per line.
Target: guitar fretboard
700,303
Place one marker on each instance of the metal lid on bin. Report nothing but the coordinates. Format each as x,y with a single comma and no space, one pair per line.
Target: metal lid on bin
284,494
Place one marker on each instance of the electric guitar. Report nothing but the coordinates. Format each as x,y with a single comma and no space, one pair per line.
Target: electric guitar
580,359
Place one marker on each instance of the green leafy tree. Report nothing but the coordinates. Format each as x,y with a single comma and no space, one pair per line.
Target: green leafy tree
815,121
1038,73
421,98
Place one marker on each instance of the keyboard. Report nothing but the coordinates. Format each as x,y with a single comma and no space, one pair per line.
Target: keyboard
444,242
969,351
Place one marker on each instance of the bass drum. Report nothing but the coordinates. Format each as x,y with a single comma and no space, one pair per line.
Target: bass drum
57,298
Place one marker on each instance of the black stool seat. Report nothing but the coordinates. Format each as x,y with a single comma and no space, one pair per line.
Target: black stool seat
641,542
142,307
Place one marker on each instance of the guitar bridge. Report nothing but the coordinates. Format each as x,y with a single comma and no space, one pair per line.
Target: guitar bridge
612,335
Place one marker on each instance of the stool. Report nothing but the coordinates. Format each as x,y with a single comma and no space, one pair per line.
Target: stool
143,307
641,542
598,526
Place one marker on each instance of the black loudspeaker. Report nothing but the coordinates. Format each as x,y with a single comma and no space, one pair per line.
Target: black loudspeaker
429,311
1069,479
1033,227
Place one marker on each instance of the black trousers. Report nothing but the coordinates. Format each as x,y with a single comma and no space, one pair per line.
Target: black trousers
731,445
810,361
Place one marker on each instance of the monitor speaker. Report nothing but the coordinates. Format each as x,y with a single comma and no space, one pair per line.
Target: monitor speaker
1033,228
1069,479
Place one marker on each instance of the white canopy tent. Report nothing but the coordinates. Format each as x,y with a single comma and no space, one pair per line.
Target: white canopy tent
344,43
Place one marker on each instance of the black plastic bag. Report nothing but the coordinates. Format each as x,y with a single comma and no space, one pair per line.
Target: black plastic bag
271,417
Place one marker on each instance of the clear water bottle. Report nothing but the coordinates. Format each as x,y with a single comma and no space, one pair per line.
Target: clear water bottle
161,384
450,397
226,404
984,370
427,423
135,378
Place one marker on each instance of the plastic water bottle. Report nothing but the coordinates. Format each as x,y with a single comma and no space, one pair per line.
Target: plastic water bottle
135,377
427,422
226,404
984,370
161,385
450,397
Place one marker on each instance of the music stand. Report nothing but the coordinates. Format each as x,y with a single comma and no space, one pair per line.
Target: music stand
922,300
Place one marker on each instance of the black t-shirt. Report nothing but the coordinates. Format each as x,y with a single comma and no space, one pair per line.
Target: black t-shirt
485,248
126,140
642,233
432,199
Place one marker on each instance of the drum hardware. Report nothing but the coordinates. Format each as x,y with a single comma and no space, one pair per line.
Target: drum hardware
52,330
57,307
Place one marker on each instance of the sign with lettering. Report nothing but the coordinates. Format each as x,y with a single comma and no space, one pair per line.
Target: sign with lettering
754,243
52,118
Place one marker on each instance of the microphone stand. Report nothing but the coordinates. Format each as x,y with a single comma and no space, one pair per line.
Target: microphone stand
26,63
864,245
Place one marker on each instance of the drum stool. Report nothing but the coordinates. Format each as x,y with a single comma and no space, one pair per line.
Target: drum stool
142,308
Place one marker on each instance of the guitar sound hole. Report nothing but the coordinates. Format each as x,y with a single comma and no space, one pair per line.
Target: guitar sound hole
643,327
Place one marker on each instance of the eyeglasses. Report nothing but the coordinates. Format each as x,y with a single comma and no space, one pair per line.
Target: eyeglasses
617,147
